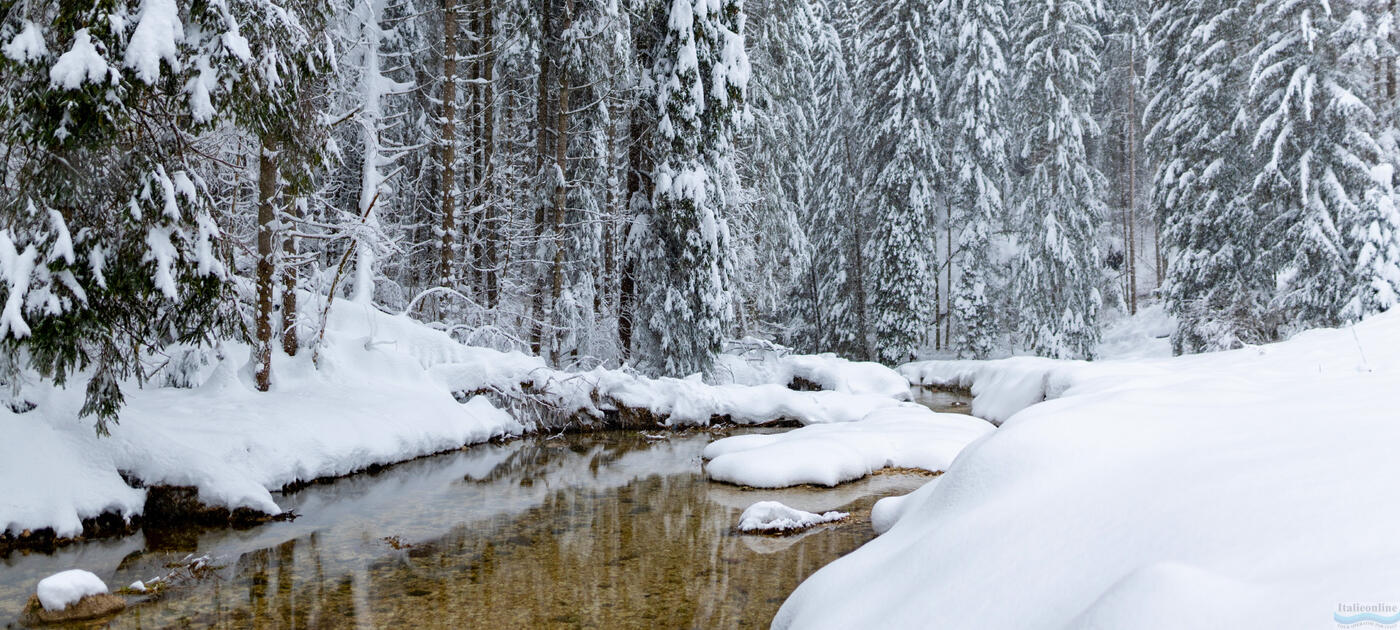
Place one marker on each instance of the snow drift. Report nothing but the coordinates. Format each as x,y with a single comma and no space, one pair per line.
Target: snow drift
1250,488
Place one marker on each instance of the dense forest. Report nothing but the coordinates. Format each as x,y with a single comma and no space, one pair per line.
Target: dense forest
609,182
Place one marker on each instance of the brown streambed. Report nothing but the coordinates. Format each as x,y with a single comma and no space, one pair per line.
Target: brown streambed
592,530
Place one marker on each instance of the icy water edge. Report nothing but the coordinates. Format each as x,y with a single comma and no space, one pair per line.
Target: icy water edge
613,529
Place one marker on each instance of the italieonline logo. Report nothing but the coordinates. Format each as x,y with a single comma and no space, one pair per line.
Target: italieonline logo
1357,615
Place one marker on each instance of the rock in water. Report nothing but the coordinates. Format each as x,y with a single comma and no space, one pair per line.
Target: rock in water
73,595
772,517
89,607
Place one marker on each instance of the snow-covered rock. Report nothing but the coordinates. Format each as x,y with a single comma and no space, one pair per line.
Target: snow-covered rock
772,516
63,589
907,436
1248,488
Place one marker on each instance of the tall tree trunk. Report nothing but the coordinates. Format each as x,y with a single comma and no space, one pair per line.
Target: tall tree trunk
449,140
862,299
543,126
866,352
290,342
937,299
638,185
476,224
486,51
267,221
1131,261
948,276
603,297
814,287
1390,87
561,156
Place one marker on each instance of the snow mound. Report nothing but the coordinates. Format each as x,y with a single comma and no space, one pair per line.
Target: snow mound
852,377
1232,489
772,516
908,436
63,589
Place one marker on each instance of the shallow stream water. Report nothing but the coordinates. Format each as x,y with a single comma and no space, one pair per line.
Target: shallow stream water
601,530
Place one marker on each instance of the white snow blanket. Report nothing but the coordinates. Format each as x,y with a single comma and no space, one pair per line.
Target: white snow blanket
908,436
1246,489
65,588
773,516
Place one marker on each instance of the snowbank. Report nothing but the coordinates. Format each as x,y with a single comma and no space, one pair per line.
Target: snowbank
756,362
61,590
370,403
772,516
908,436
1250,488
756,393
999,388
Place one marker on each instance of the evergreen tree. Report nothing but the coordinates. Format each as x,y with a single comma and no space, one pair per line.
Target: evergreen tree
109,240
901,115
701,74
1328,236
976,76
1216,285
1057,269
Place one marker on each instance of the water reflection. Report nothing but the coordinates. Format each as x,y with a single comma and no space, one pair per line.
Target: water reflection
943,401
605,530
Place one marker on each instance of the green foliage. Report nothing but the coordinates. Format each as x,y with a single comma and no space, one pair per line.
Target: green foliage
102,181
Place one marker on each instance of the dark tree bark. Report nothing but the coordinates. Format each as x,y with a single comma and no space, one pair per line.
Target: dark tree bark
267,218
448,139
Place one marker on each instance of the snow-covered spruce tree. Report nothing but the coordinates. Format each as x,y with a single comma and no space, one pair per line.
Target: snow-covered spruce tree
975,78
1215,284
901,111
1057,271
701,74
1330,231
108,240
